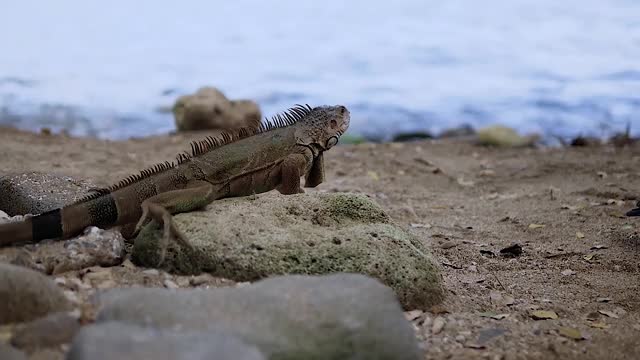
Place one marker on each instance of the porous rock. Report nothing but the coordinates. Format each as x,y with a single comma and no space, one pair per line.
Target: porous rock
35,192
246,239
96,247
26,295
340,316
209,108
113,340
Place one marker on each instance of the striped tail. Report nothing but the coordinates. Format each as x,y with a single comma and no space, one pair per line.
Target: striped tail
44,226
61,223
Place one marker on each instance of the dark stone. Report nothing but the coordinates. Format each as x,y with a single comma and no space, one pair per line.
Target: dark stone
412,136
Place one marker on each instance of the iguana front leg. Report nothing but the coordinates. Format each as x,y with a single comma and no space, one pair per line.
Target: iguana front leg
196,195
292,168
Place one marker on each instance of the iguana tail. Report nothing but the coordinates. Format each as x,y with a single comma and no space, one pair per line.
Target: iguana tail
66,222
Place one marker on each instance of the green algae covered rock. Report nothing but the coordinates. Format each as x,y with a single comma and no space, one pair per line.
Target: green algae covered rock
246,239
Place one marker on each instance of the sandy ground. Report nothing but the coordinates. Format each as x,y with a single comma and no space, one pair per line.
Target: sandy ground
564,207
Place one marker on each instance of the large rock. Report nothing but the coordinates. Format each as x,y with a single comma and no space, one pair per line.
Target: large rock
26,295
342,316
208,108
35,193
246,239
114,340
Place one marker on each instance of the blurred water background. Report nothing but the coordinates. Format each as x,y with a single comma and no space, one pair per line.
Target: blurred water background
107,68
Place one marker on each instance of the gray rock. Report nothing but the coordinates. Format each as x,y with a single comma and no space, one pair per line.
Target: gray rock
96,247
26,295
341,316
113,340
8,352
49,331
35,193
463,130
208,108
246,239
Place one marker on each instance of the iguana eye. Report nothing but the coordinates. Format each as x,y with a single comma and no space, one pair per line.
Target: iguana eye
331,142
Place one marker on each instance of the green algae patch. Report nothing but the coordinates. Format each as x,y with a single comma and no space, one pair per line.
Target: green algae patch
247,239
354,207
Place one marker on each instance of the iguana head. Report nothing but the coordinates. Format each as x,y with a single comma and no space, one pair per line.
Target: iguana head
322,126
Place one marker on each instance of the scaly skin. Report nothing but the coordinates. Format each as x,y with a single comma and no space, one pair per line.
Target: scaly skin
243,163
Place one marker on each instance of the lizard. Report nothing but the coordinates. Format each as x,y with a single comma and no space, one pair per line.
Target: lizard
242,162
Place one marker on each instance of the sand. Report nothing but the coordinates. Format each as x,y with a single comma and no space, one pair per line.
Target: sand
564,207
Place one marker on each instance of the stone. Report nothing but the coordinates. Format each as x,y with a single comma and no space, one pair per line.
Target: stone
209,108
339,316
35,193
8,352
251,238
412,136
457,132
502,136
113,340
49,331
26,295
96,247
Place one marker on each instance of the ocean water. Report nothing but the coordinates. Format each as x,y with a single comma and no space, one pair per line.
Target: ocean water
105,68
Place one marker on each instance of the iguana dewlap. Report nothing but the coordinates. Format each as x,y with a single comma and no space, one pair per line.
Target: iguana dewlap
241,163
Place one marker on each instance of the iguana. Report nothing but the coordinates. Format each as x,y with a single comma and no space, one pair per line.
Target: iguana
238,163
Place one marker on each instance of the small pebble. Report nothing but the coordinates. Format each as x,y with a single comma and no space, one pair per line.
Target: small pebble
438,325
200,279
151,272
183,282
170,284
77,284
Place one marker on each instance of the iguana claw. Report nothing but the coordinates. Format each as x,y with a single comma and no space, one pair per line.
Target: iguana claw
162,216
